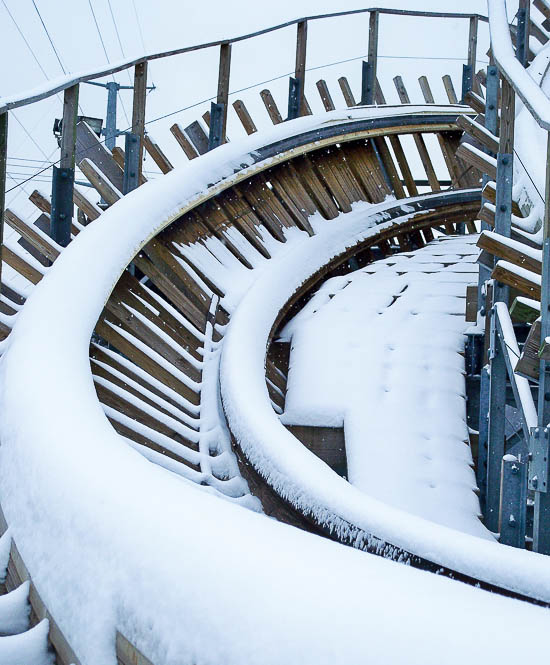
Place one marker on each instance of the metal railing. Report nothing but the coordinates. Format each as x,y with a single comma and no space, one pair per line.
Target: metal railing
507,481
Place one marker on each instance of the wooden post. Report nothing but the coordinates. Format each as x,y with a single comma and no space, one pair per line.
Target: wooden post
371,70
472,44
300,68
223,86
522,39
63,177
138,110
3,168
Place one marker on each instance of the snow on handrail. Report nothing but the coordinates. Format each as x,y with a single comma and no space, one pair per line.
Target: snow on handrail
503,52
61,83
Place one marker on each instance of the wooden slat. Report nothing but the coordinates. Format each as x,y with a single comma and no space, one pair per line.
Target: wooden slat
524,310
389,165
449,89
489,193
475,101
106,188
41,202
244,117
521,282
426,90
91,210
324,93
483,163
509,251
478,132
346,91
361,158
271,107
89,147
157,154
315,187
36,238
20,265
127,654
198,137
529,361
183,141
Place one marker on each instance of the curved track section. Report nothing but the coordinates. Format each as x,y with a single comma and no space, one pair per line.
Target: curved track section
223,248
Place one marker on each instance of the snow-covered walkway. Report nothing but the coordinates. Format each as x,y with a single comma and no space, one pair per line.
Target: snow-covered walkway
378,352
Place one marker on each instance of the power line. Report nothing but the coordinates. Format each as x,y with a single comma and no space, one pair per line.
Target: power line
119,40
25,40
49,38
107,56
140,32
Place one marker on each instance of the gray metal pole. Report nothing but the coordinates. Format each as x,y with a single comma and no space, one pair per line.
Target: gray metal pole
110,120
522,37
3,169
539,445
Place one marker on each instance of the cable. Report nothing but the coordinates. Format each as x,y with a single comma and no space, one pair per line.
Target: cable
50,39
25,40
141,34
119,40
107,56
233,92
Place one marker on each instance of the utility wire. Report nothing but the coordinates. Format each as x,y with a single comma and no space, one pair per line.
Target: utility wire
141,34
119,40
48,35
25,40
107,56
233,92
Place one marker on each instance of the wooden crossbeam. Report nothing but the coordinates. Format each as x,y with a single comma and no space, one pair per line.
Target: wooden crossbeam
478,132
183,141
271,107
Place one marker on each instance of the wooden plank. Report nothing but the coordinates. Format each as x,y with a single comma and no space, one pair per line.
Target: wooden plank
104,186
110,329
389,165
519,281
183,141
244,117
89,147
361,158
373,51
426,90
471,304
529,362
401,90
34,236
300,65
324,93
19,264
449,89
478,132
509,250
489,193
91,210
327,443
475,101
138,110
483,163
127,654
346,91
379,95
198,137
223,84
157,154
271,107
41,202
524,310
315,187
507,118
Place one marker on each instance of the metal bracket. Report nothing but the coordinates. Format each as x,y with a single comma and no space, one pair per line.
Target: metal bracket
538,455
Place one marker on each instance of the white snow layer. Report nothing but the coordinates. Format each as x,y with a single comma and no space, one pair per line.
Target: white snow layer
378,352
113,541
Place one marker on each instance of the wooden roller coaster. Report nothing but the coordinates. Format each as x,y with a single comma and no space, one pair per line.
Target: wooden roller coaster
173,284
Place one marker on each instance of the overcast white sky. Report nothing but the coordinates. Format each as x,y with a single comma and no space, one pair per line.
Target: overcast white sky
188,79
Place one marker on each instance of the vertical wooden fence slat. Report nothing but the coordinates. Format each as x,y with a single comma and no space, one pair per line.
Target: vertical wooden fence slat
371,70
3,157
223,86
300,68
138,110
472,48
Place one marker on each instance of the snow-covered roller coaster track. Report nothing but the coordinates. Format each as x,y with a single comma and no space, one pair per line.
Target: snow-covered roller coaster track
147,545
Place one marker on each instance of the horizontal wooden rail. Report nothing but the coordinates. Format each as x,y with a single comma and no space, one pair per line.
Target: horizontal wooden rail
51,88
